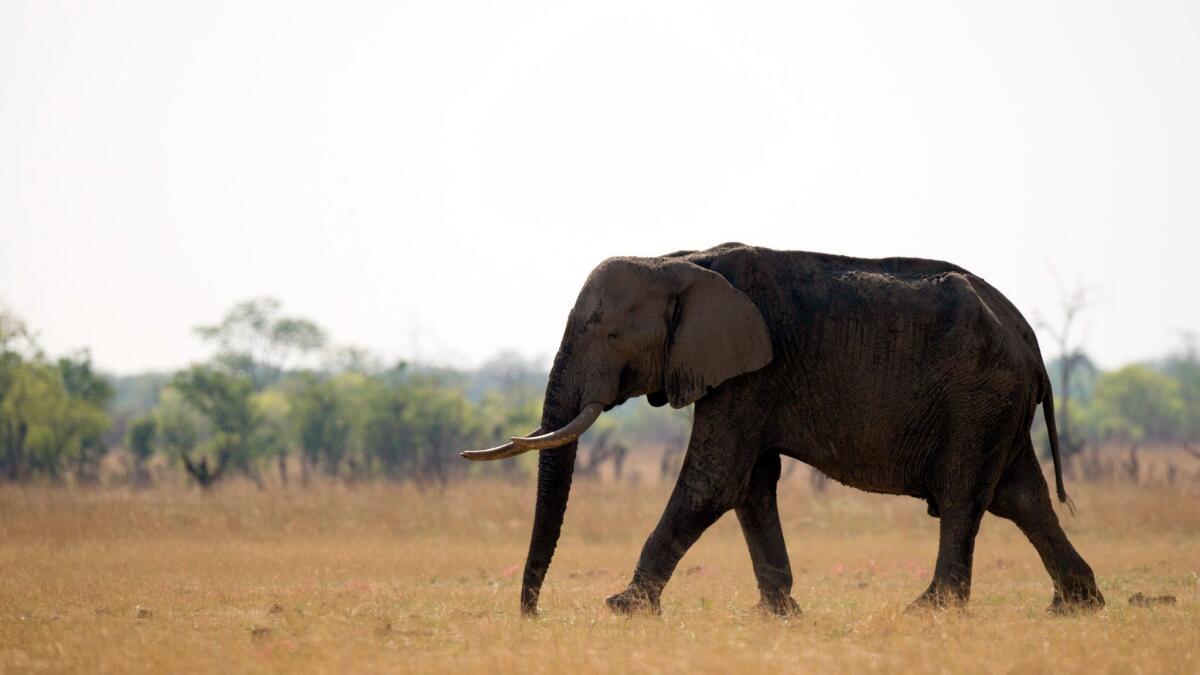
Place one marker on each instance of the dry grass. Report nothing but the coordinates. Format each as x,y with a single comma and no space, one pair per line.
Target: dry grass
385,578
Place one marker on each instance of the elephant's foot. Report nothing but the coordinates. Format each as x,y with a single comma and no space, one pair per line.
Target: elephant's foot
778,604
634,600
940,596
1080,595
529,602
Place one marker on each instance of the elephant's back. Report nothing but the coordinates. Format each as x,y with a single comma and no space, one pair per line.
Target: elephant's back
886,304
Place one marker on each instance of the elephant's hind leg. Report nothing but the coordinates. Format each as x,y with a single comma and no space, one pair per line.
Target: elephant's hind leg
1023,497
963,491
951,585
759,518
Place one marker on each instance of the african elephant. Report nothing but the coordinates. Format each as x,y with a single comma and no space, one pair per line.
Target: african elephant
898,375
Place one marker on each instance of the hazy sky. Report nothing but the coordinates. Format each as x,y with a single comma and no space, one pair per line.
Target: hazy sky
438,178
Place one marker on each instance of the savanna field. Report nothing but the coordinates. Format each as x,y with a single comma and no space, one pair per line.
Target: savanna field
377,577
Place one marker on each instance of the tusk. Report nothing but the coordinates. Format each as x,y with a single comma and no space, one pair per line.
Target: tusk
566,434
499,452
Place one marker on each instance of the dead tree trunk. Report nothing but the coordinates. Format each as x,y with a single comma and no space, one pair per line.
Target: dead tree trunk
1073,304
200,471
1132,466
14,453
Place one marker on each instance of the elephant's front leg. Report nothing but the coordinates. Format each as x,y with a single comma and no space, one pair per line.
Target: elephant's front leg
712,481
759,518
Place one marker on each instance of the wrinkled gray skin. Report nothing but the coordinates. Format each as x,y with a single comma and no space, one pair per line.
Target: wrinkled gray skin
900,376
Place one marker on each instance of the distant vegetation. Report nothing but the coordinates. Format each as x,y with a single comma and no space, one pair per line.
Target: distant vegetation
274,396
1132,407
1145,403
277,396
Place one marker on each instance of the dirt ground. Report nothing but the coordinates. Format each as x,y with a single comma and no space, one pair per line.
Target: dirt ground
392,578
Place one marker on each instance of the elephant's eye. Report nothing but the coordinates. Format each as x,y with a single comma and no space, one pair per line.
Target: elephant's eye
612,335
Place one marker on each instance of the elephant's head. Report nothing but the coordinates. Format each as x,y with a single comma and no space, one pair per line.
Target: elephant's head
663,327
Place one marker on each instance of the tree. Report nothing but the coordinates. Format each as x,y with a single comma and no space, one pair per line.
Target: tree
178,426
387,441
51,414
1081,382
14,429
414,427
91,395
44,427
1184,368
441,422
273,437
140,441
33,398
321,420
255,340
202,473
15,337
352,359
1072,305
1138,405
225,400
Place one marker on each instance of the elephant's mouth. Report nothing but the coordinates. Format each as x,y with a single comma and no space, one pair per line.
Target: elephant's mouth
656,398
629,385
621,398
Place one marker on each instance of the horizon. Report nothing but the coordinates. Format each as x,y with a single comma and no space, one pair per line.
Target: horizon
540,362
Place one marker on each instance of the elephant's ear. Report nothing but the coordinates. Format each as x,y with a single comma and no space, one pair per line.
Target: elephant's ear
716,333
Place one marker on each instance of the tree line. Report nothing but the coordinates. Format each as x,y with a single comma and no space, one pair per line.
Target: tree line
53,413
276,396
1136,405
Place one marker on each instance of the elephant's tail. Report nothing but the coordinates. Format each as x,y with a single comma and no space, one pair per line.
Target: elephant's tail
1052,431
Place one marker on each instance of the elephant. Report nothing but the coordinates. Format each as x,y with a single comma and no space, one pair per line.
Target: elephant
901,376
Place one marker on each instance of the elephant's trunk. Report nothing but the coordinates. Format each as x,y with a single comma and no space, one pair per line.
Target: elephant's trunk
555,468
553,487
564,416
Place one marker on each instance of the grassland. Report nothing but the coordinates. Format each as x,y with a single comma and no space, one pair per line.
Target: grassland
389,578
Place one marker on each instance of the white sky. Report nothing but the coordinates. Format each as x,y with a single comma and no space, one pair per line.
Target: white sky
438,178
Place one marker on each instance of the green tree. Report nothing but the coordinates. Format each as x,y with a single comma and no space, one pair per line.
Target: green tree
178,426
440,422
46,428
414,426
226,402
254,339
32,399
1184,368
386,439
52,415
273,437
140,440
14,428
1137,405
320,416
90,395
